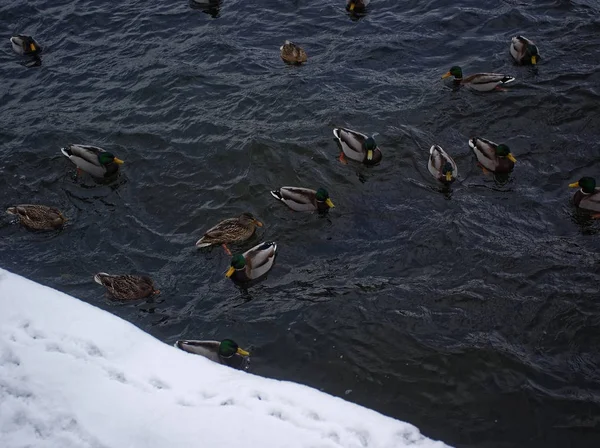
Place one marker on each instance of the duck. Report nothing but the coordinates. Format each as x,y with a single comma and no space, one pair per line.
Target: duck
588,195
226,352
441,165
493,157
38,217
253,263
127,287
230,230
93,160
524,51
357,146
292,53
482,82
302,199
25,45
357,6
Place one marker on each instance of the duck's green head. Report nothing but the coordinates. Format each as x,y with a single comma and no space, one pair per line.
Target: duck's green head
237,262
370,146
587,184
532,53
455,71
323,196
447,171
228,348
504,151
106,158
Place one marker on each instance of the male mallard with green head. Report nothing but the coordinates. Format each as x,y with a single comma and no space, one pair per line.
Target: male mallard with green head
25,45
494,157
441,165
231,230
304,199
588,195
357,6
482,82
226,352
127,287
357,146
253,263
38,217
93,160
524,51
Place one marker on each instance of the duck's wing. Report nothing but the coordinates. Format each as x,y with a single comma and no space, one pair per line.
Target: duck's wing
208,349
518,46
592,201
260,259
221,233
351,143
436,160
85,157
297,198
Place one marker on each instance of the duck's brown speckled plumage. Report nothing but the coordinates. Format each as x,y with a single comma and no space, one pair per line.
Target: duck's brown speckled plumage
38,217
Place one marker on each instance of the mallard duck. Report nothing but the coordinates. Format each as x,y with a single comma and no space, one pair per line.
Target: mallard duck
231,230
126,287
494,157
253,263
524,51
93,160
292,53
304,199
357,6
441,165
26,45
357,146
588,195
482,82
38,217
226,352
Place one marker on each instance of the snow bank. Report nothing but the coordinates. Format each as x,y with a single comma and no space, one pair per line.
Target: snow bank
72,375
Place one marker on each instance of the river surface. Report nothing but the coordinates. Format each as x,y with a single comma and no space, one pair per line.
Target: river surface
472,313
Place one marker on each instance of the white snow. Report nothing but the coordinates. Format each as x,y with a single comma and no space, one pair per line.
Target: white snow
72,375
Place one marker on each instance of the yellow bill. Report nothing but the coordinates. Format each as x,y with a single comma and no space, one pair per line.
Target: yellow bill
119,161
534,60
446,75
352,6
511,158
258,223
242,352
230,271
32,46
574,185
448,177
370,154
329,203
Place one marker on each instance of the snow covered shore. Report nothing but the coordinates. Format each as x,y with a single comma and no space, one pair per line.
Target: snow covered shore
72,375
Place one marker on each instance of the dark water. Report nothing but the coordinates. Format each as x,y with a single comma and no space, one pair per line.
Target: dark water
472,314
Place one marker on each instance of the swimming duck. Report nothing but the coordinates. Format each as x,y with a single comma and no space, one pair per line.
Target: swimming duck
226,352
494,157
93,160
253,263
441,165
38,217
127,287
357,146
588,195
231,230
482,82
524,51
26,45
357,6
292,53
304,199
